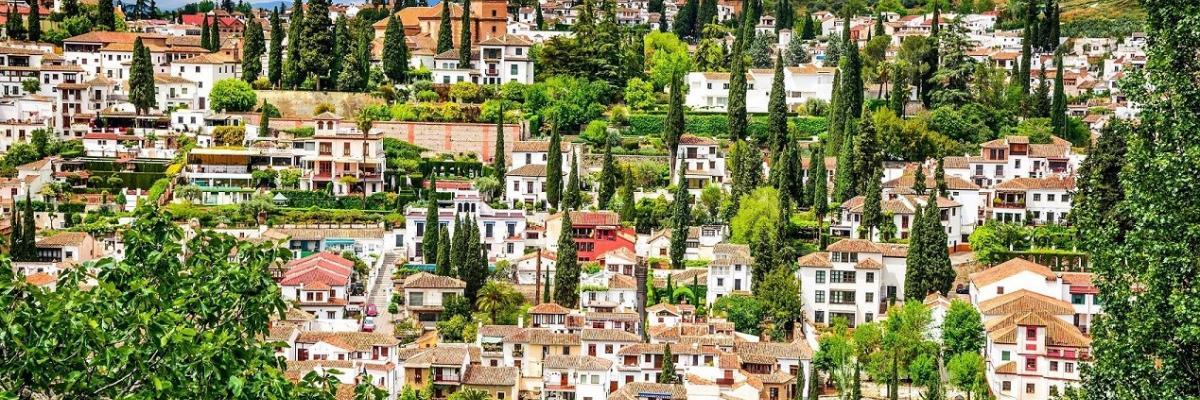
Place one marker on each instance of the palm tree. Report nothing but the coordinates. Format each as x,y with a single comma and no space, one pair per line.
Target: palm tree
470,394
496,296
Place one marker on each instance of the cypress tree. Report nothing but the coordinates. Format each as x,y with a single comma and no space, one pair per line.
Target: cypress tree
916,272
1058,109
918,185
444,267
898,98
706,15
941,273
667,375
685,20
395,53
1041,97
458,245
317,41
681,219
34,32
931,59
429,246
814,383
872,215
30,230
554,184
784,16
566,277
852,84
474,272
264,120
205,35
610,178
445,39
499,165
1097,202
939,176
818,180
868,153
343,52
253,51
537,19
674,125
736,112
141,78
275,54
572,198
808,32
293,68
214,35
464,42
106,20
546,287
792,181
777,125
356,70
628,204
16,245
834,113
1026,50
845,184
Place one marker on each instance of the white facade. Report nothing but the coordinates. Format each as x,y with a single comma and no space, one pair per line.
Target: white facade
729,273
853,279
500,231
709,91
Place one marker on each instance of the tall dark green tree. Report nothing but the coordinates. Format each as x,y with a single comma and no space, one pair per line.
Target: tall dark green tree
777,125
868,153
667,374
928,255
356,70
681,220
214,35
444,267
1040,100
141,78
445,38
1059,123
538,20
205,35
566,271
429,242
737,85
554,174
1098,199
919,179
628,209
939,176
457,245
610,178
785,15
808,30
464,41
572,196
818,180
845,179
343,51
1026,49
34,32
252,51
28,234
395,53
546,288
106,20
872,217
927,85
685,20
791,176
499,164
16,243
474,270
674,125
898,97
275,53
317,41
706,15
294,71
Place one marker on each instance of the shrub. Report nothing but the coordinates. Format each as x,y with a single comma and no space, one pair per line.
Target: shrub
229,135
232,95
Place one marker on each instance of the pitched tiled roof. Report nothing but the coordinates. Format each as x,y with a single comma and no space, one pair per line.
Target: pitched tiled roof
818,259
868,263
64,239
635,390
481,375
1058,332
578,362
777,377
797,350
498,330
952,182
425,280
620,281
1010,268
608,335
506,40
696,140
603,217
529,170
208,58
543,337
441,355
1047,183
1022,301
353,341
549,308
1007,368
40,279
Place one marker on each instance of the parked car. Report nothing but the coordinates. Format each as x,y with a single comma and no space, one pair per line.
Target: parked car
368,324
371,311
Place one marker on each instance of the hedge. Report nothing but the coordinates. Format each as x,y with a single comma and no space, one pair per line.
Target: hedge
717,125
156,191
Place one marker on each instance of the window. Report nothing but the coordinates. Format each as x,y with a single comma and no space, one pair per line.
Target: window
841,296
1054,366
841,277
1030,364
416,299
819,317
820,296
1050,197
1031,333
1066,198
513,69
1069,367
870,277
1004,355
1078,299
420,229
720,282
1030,388
1005,386
487,229
870,297
820,277
999,289
870,317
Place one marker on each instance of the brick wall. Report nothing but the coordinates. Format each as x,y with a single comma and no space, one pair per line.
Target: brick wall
448,137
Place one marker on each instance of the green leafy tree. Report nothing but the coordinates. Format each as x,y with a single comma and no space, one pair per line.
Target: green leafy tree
1058,107
294,71
966,372
572,196
231,95
926,85
1098,199
797,53
566,271
395,51
105,18
473,271
497,298
898,97
780,294
760,50
356,71
736,109
444,268
928,254
706,14
141,79
214,35
628,208
343,50
962,329
685,20
872,218
745,312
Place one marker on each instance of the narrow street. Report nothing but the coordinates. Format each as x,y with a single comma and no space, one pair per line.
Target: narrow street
381,293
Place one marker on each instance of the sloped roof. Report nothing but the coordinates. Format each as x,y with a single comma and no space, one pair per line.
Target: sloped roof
353,341
818,259
1046,183
543,337
425,280
578,362
64,239
1024,300
481,375
549,308
529,170
603,217
608,335
1010,268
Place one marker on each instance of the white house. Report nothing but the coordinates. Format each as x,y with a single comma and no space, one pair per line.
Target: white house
425,296
206,70
729,272
576,376
702,163
853,279
709,91
500,231
320,283
902,208
498,60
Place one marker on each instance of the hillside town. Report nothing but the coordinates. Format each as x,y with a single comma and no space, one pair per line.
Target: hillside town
596,200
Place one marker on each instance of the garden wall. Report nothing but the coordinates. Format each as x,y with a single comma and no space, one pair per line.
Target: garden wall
453,137
303,102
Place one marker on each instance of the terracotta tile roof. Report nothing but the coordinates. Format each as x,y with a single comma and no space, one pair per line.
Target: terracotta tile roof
353,341
621,281
1007,368
1010,268
537,146
657,348
622,253
543,337
578,362
866,246
209,58
1025,301
795,350
506,40
169,79
481,375
956,162
635,390
952,182
441,355
673,309
40,279
609,335
498,330
818,259
529,170
316,233
64,239
589,218
297,369
775,378
281,333
549,308
110,37
868,263
1047,183
546,255
1058,332
425,280
690,139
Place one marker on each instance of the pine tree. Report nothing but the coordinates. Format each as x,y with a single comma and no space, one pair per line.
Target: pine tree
464,42
444,268
294,71
317,41
554,184
106,20
667,375
141,79
445,38
34,32
610,178
674,125
395,53
429,246
628,204
253,51
572,196
205,35
499,165
1058,109
275,54
736,112
777,126
796,53
681,220
898,98
566,277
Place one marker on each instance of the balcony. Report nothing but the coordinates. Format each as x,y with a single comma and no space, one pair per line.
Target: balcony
446,379
491,72
1008,204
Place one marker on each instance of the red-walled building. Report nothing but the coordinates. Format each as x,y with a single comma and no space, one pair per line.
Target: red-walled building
595,233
